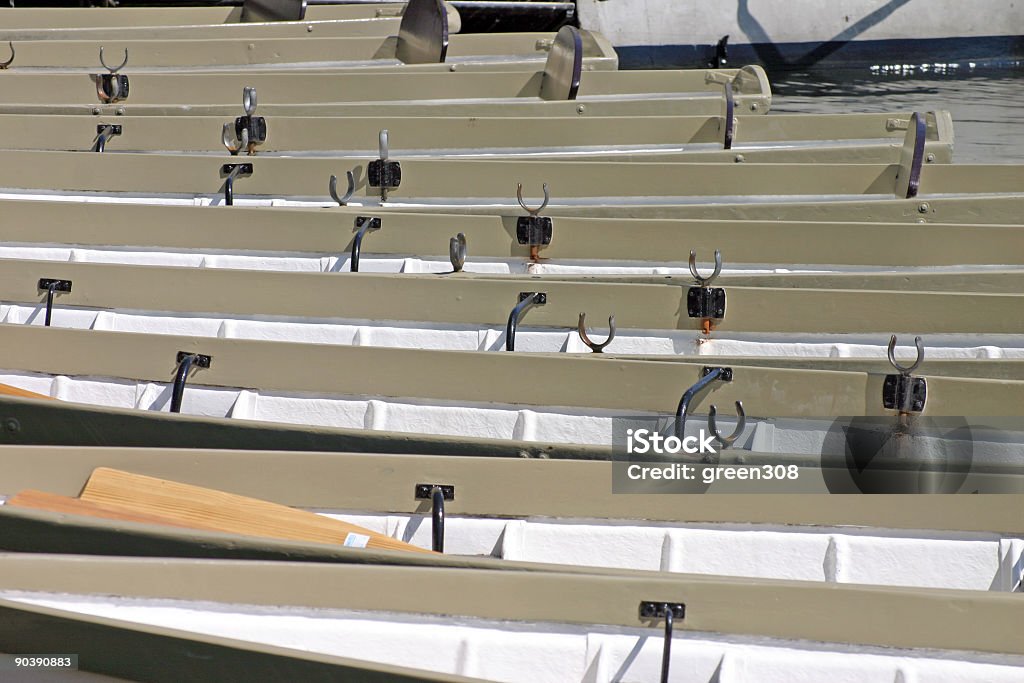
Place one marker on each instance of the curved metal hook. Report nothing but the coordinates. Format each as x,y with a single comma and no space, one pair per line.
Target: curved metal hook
116,69
102,137
437,519
457,252
595,347
892,355
365,224
705,281
708,376
249,100
741,422
178,389
666,647
532,212
4,65
228,138
333,187
527,300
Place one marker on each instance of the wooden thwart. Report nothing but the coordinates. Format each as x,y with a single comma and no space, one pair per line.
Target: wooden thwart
114,494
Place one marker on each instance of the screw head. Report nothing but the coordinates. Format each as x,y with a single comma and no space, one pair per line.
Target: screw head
923,207
740,159
120,111
753,106
95,111
309,29
580,109
12,425
930,158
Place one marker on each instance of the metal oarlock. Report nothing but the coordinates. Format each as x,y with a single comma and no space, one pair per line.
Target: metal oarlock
581,329
741,422
247,131
112,87
703,301
457,252
332,187
4,65
904,392
383,173
533,230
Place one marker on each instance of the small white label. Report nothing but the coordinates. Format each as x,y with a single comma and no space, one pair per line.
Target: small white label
356,541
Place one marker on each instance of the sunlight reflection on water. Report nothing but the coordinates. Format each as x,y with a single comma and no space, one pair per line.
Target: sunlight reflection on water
986,104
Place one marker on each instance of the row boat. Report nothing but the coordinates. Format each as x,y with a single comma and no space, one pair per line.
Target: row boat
551,626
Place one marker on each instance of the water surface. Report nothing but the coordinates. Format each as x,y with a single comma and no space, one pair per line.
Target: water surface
986,103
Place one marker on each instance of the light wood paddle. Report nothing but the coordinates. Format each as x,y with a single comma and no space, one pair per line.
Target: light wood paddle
41,500
8,390
201,508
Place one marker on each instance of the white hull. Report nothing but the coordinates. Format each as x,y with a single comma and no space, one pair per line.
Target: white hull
802,30
542,652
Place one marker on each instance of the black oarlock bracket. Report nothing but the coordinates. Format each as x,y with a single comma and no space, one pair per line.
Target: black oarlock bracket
669,611
364,224
231,171
50,286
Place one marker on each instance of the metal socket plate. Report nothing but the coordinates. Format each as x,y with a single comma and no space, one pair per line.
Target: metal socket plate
58,285
201,360
895,385
650,609
424,491
534,231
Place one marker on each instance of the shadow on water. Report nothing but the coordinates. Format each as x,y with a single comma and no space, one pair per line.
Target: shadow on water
985,103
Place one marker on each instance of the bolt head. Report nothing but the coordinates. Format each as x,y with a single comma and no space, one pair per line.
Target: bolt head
753,106
923,207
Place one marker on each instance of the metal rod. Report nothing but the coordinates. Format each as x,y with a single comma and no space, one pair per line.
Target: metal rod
49,302
178,392
437,513
730,116
366,224
684,403
527,300
919,129
666,652
229,187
